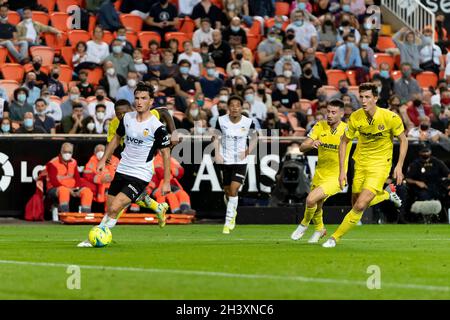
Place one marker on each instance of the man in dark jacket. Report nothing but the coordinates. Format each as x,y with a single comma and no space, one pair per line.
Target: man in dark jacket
108,17
317,68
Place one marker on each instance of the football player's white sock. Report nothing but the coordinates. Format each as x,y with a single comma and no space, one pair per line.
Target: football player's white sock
108,222
231,208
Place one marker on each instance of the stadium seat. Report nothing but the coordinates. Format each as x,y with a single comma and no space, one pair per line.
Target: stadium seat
281,9
66,73
46,53
252,41
255,28
94,76
384,43
427,79
76,36
180,36
72,84
323,59
218,3
3,55
386,30
373,72
396,75
55,99
354,90
132,37
334,76
12,71
146,36
67,54
49,4
305,105
330,91
188,25
117,4
330,56
108,37
9,86
132,22
269,23
13,17
92,23
384,58
54,42
174,2
63,5
351,76
41,17
59,20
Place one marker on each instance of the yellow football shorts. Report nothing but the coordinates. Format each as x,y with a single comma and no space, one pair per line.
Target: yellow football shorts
372,179
330,186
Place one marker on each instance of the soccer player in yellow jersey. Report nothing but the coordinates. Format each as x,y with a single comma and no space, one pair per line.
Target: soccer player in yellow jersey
325,136
376,127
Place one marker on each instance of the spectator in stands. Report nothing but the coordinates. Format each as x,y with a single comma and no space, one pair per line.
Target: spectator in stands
424,132
33,91
305,32
100,98
237,8
100,119
193,114
55,87
348,109
262,95
63,180
127,92
73,97
29,125
5,126
246,68
348,26
204,53
127,47
441,38
193,57
4,108
234,34
289,41
108,17
206,9
406,86
139,64
405,40
367,54
168,69
173,46
154,55
396,106
111,80
343,89
219,50
317,68
86,89
29,30
258,110
261,8
171,110
97,50
269,50
235,73
99,182
300,5
53,107
123,62
19,106
73,123
211,83
203,34
327,35
186,85
140,8
185,8
92,6
308,83
239,86
387,85
9,38
288,57
163,18
431,58
278,28
80,54
41,77
348,57
41,119
283,98
292,81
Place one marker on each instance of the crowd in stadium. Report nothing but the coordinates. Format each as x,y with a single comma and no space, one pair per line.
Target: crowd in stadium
285,59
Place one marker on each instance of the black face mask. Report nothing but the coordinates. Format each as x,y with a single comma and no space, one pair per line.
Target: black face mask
290,36
307,72
36,65
343,90
55,75
417,103
424,127
328,22
239,56
222,112
99,97
270,115
425,156
345,23
239,87
261,91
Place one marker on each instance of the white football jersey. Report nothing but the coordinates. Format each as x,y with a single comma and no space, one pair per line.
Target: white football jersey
234,138
142,139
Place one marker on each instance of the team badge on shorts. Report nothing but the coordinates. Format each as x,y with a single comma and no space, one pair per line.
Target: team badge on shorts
380,127
146,132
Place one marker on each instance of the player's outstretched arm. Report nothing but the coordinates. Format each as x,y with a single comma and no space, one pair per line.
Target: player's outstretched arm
342,154
165,152
110,147
398,170
309,144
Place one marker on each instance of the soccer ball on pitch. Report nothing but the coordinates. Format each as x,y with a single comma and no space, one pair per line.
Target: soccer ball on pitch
100,236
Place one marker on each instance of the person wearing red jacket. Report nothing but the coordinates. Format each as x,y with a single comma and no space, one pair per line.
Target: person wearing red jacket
99,182
63,180
417,110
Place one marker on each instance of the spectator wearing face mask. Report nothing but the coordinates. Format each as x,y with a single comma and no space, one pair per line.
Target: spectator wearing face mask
234,34
288,57
41,77
28,125
100,98
424,132
269,50
100,118
111,80
406,86
283,98
418,110
431,58
293,82
127,47
405,40
139,64
343,89
55,87
258,109
123,62
19,106
308,83
127,92
246,68
327,35
387,85
5,126
211,83
316,65
236,72
33,90
305,32
41,119
203,34
193,114
186,85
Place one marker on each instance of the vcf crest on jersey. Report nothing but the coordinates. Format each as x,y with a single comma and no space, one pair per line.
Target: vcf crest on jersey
146,132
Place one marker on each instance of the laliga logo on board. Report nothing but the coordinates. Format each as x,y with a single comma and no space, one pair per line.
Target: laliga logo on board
8,172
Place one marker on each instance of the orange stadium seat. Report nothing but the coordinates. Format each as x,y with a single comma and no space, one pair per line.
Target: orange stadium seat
117,4
54,42
385,42
330,91
94,76
92,23
252,41
13,17
354,90
146,36
49,4
330,56
47,54
108,37
67,54
131,21
132,37
41,17
3,55
255,28
59,20
66,73
385,58
305,105
323,59
9,86
76,36
397,74
12,71
426,79
334,76
269,23
63,5
218,3
187,26
281,9
180,36
351,76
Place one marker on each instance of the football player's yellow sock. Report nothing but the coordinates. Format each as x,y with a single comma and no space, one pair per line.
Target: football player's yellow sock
152,206
120,213
380,197
318,220
309,213
350,220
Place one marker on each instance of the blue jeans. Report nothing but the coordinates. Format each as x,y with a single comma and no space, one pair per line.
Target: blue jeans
23,47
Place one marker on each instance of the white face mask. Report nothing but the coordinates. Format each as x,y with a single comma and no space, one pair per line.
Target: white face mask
170,112
223,98
110,71
131,83
138,61
67,156
99,154
90,126
74,96
236,72
100,115
194,112
156,88
280,86
287,73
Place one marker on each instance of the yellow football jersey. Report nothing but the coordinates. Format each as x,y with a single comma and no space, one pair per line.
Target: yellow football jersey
328,152
375,136
114,124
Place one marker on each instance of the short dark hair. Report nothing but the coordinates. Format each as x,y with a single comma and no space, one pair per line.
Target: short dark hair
369,86
142,87
249,88
184,61
100,105
77,105
16,92
40,100
235,97
336,103
122,102
236,62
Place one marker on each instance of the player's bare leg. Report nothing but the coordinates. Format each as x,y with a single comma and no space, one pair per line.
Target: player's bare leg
312,200
319,228
232,194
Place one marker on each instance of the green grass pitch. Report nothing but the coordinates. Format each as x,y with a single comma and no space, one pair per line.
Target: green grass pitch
198,262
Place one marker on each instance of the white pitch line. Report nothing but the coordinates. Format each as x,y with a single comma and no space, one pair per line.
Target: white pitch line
157,238
229,275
